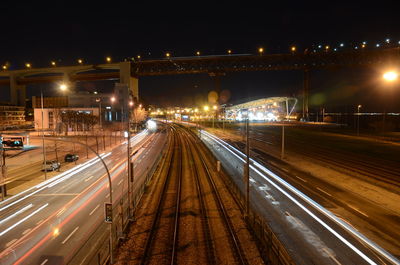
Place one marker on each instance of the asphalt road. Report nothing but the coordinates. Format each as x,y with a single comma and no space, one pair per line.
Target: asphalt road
50,222
312,234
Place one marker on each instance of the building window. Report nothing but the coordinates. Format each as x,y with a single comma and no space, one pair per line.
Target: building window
51,119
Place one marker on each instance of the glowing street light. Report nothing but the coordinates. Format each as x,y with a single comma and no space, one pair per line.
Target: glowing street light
108,59
80,61
390,76
260,50
167,55
53,63
28,65
215,107
198,53
293,48
63,87
131,103
358,119
112,99
4,67
229,51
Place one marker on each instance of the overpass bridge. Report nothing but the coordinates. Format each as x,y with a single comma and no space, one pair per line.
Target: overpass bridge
215,66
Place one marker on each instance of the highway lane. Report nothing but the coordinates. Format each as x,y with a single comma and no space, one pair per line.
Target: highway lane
66,212
311,233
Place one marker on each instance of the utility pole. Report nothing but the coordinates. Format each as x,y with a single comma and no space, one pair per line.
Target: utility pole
44,148
283,142
247,166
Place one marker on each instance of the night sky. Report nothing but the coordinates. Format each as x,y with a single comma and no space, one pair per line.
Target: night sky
67,30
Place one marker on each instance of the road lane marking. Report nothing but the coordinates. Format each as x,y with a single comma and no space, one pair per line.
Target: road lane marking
108,195
24,219
355,209
68,237
60,212
44,262
301,179
119,183
11,242
327,193
331,256
89,178
38,223
16,213
26,231
98,205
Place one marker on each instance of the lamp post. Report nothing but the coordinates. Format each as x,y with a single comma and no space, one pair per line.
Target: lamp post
213,114
44,149
99,101
358,120
389,77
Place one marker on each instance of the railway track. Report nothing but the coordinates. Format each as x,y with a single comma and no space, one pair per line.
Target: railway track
380,170
189,222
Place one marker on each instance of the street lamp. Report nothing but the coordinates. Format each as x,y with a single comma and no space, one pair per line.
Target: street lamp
260,50
358,119
389,77
214,108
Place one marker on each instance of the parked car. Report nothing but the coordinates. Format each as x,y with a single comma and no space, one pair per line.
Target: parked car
51,165
71,157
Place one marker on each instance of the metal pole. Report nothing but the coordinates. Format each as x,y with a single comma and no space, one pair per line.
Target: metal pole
358,121
44,149
129,166
283,142
247,166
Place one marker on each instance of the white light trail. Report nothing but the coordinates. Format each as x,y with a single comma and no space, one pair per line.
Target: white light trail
311,202
42,186
16,213
24,219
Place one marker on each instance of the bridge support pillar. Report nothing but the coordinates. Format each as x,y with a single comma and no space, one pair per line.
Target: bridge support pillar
126,79
306,84
17,92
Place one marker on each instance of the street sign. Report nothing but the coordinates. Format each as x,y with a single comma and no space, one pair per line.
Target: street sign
108,212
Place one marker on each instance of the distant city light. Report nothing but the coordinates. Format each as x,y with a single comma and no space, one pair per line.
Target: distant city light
125,134
327,47
80,61
206,108
387,40
261,50
377,45
53,63
108,59
198,53
319,46
138,57
229,51
28,65
131,103
341,44
390,76
112,99
4,67
293,48
63,87
364,42
168,54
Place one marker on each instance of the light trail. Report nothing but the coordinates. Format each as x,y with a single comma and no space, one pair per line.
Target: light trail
311,202
42,186
24,219
16,213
